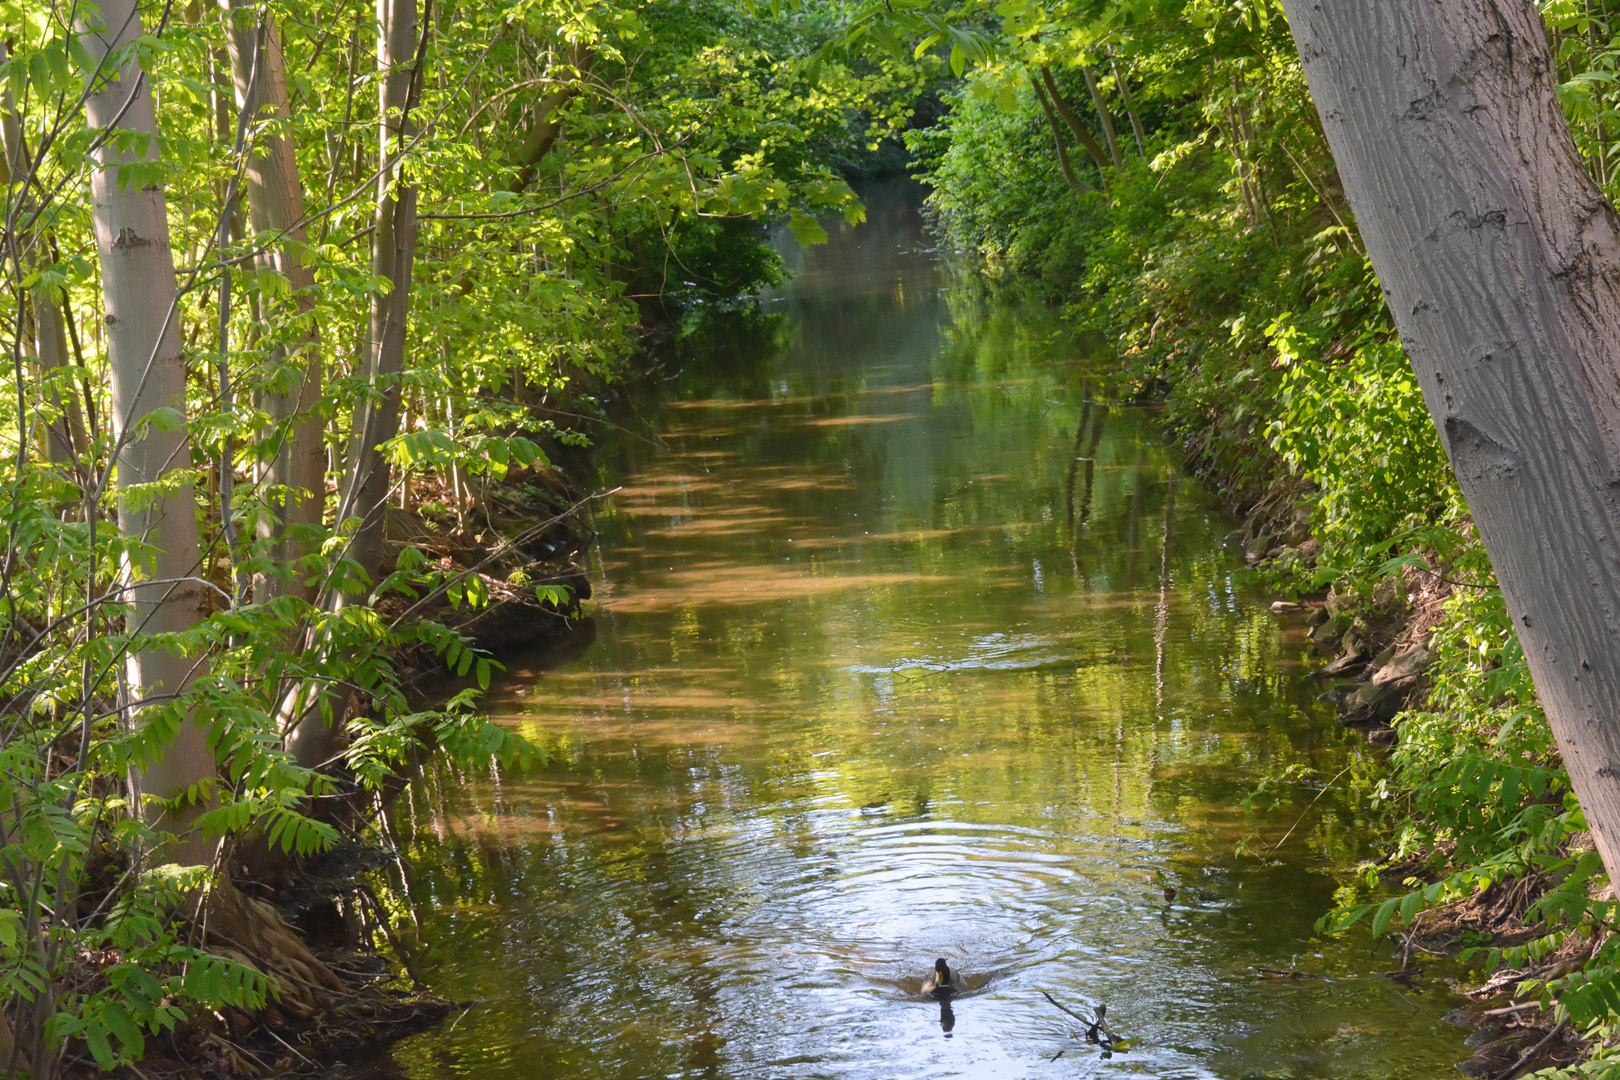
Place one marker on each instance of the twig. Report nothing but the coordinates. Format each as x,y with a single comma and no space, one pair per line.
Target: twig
234,1048
1406,999
373,975
388,932
1083,1019
1313,802
272,1032
1093,1025
1512,1009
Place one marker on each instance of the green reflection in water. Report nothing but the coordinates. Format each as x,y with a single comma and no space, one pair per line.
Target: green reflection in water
908,645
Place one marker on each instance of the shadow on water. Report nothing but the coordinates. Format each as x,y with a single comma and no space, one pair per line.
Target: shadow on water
909,643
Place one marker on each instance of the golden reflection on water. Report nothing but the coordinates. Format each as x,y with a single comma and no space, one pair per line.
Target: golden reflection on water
877,687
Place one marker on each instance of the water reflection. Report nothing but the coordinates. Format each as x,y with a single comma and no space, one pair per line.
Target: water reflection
910,644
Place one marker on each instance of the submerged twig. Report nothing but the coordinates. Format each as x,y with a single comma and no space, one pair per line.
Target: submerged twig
1292,973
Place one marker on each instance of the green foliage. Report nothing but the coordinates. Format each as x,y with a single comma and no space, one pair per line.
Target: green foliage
1221,268
1358,430
1585,51
679,129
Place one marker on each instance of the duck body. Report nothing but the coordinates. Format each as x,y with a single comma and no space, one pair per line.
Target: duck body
942,981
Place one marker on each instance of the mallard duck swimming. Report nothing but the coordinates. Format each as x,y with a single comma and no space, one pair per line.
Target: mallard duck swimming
942,980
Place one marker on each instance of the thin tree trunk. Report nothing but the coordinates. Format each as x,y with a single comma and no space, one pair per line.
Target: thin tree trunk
148,375
1102,115
1079,185
296,473
11,1055
226,117
1069,118
1130,104
1500,260
66,442
366,480
547,128
64,436
372,478
368,473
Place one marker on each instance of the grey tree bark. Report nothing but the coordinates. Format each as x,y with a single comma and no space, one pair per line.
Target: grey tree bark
1081,135
129,214
1130,104
548,125
376,420
1103,117
296,473
367,473
1065,166
1500,261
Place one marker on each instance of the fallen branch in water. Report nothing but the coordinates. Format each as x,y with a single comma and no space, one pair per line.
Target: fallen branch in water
1107,1039
1294,973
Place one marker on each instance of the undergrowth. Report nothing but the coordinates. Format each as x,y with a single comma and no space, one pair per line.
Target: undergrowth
1222,268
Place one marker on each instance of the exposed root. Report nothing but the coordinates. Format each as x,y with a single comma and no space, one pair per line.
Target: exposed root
316,1014
253,933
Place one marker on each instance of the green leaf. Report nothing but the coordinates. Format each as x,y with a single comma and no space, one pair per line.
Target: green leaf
95,1037
167,419
1386,913
807,230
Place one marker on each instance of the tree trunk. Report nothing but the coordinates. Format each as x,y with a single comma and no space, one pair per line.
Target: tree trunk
1103,116
376,420
1080,186
368,474
1069,118
66,442
296,474
64,435
148,374
1130,104
547,124
371,476
1500,260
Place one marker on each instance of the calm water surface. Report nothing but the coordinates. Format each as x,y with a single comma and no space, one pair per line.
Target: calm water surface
908,645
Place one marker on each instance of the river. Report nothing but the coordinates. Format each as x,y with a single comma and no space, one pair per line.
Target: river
909,644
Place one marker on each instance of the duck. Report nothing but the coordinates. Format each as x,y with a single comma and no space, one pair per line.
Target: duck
942,981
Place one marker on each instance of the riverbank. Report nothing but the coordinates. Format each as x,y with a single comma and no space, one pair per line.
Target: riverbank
1417,659
1220,274
1380,652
